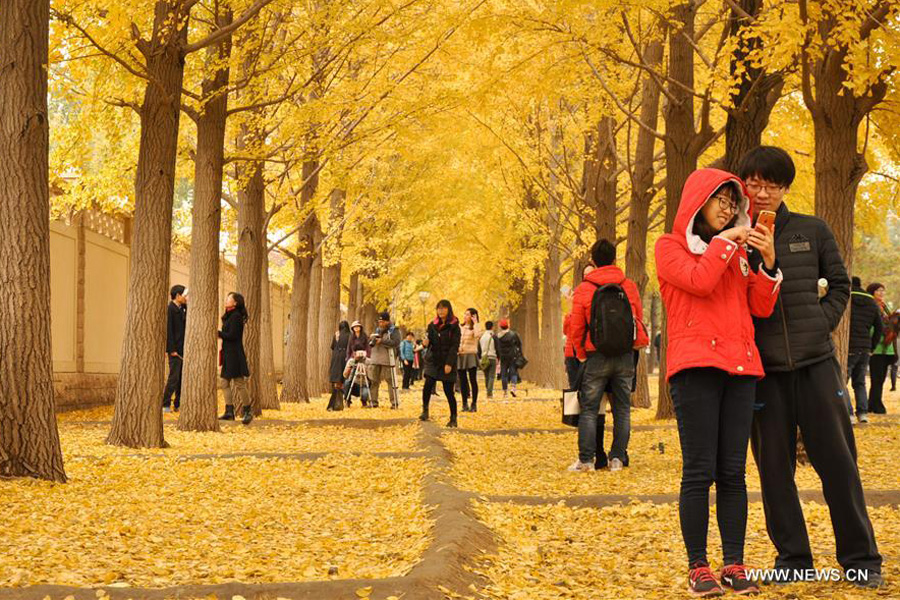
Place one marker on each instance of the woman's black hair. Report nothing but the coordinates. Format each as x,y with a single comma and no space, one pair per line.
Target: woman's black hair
239,305
873,287
344,327
473,312
446,304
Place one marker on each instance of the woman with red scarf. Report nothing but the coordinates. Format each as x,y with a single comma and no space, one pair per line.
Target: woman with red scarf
441,351
710,295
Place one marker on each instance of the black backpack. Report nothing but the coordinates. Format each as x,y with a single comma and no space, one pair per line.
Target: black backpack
612,323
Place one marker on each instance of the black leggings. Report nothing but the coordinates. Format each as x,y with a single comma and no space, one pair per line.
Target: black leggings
448,391
878,368
468,379
714,412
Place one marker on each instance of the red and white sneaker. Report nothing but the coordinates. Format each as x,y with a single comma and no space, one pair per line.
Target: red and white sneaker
735,577
703,584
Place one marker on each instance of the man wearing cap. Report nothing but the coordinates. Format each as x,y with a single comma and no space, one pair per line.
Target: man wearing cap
176,322
384,342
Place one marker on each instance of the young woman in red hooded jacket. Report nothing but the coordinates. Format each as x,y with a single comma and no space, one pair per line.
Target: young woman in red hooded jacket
710,295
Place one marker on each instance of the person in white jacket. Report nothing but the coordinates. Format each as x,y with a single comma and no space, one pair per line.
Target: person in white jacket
488,345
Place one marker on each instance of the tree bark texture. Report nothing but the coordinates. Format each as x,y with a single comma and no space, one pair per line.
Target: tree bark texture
268,389
353,299
199,379
137,420
251,251
314,350
29,439
294,385
330,310
599,178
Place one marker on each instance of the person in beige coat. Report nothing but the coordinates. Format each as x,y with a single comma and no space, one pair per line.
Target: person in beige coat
467,362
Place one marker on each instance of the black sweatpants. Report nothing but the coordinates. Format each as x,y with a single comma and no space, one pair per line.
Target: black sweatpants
714,411
814,399
468,385
173,383
407,374
878,369
428,389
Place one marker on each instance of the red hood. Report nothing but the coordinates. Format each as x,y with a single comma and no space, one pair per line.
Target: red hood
698,188
604,275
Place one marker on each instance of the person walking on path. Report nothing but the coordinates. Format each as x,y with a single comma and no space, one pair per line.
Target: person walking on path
885,352
470,334
176,324
339,344
358,340
488,364
441,351
865,334
606,326
233,360
408,358
509,349
804,387
710,294
385,344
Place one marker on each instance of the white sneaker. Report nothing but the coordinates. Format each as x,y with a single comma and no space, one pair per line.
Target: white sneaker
615,464
580,466
863,418
853,419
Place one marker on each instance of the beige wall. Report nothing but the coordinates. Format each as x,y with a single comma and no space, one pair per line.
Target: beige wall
89,262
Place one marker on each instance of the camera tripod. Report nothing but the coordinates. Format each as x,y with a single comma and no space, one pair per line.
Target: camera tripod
360,375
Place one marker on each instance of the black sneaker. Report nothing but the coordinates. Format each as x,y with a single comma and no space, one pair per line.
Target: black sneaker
423,416
735,577
248,415
451,422
703,584
872,579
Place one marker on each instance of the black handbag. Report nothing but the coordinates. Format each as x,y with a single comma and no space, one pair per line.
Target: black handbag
520,362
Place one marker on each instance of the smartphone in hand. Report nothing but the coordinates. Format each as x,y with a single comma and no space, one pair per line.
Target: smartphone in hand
767,218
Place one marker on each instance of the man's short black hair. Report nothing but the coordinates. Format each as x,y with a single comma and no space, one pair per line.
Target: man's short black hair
603,253
856,282
176,289
769,163
489,325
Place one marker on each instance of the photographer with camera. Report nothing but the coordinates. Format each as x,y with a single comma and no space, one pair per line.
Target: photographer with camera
384,344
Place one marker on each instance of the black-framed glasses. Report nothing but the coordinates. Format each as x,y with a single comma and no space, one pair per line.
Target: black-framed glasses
759,187
726,203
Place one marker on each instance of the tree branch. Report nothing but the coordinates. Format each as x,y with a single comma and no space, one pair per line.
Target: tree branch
224,32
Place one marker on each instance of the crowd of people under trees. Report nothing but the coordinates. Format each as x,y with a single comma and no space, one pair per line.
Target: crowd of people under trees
752,292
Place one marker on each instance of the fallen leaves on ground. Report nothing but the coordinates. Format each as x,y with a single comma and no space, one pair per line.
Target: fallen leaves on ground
636,551
156,522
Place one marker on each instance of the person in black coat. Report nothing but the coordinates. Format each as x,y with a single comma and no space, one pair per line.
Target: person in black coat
804,387
339,344
176,323
233,360
865,333
441,350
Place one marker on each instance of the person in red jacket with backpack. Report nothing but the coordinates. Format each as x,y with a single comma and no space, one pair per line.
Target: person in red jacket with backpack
710,295
605,328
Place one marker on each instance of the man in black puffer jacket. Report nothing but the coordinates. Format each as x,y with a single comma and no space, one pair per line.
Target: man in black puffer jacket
865,333
804,386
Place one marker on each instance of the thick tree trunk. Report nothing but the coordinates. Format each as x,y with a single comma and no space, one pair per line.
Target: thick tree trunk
370,314
757,90
29,440
330,311
551,355
530,330
294,385
353,299
268,389
599,177
250,255
200,375
641,196
313,356
137,420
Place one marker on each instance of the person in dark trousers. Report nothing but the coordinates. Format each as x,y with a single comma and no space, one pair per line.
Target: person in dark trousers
408,359
488,347
804,387
885,353
441,351
176,324
600,369
470,331
509,348
711,295
339,345
384,343
233,360
865,333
